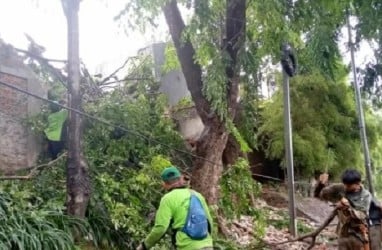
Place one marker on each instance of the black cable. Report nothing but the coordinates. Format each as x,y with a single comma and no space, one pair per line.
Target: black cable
122,128
138,134
105,122
114,125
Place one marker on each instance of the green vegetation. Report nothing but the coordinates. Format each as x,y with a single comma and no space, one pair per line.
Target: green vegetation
127,153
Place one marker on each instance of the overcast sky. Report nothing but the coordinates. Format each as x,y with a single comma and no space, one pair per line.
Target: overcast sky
104,44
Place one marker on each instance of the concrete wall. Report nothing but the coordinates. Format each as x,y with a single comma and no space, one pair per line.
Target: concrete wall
174,86
19,147
173,83
189,123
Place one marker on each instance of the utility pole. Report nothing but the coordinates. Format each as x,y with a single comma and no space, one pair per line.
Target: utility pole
288,63
361,118
77,170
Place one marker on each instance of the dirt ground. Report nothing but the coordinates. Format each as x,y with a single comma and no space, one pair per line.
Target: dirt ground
310,213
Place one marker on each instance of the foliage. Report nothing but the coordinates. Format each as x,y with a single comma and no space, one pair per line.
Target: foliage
205,29
321,32
283,222
324,126
184,103
171,62
370,80
29,223
374,126
369,20
127,154
368,29
249,122
37,123
238,187
126,160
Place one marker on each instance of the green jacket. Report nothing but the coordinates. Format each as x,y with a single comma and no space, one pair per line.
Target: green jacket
173,209
55,123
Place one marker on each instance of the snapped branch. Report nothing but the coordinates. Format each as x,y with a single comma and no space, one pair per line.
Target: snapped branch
56,73
106,79
33,170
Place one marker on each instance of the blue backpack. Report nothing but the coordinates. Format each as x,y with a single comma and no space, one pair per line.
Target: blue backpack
196,226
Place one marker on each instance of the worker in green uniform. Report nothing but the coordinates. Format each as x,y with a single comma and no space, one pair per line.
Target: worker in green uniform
56,130
173,212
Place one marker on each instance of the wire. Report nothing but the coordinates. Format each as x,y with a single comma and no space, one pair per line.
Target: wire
39,57
136,133
106,122
125,80
123,128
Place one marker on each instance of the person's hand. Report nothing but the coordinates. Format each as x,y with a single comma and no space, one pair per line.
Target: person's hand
140,247
323,179
342,204
339,205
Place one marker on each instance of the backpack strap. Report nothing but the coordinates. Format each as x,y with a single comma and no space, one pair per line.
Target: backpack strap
173,234
208,221
176,230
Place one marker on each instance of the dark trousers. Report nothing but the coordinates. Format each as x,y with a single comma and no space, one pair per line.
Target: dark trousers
375,237
54,148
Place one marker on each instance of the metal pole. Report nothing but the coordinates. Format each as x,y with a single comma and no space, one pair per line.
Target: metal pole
289,155
361,118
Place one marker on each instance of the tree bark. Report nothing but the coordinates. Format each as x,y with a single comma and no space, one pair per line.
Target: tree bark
232,151
208,165
186,53
208,169
235,37
77,175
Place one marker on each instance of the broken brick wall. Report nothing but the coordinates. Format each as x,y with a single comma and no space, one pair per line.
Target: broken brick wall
19,146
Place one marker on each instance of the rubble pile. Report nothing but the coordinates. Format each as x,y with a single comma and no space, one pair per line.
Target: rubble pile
243,230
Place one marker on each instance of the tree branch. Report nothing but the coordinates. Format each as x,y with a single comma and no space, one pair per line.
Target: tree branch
45,62
313,234
235,36
125,80
186,55
30,54
129,77
93,90
115,71
34,170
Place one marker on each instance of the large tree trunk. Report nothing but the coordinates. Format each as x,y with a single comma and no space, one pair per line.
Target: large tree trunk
207,169
208,165
77,176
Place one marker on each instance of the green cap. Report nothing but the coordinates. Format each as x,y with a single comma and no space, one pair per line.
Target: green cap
170,173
